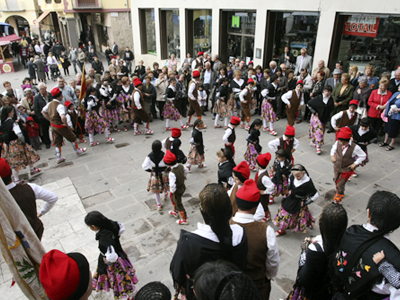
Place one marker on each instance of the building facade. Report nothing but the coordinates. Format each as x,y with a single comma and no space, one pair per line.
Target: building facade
259,31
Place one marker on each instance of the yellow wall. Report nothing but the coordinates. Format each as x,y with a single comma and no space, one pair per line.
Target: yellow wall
104,4
58,7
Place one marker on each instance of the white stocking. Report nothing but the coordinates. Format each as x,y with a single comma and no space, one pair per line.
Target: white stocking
15,175
106,133
271,126
180,121
31,167
265,123
158,200
216,119
91,136
166,122
226,122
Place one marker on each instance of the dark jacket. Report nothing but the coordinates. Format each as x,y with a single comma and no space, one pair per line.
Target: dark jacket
363,97
139,71
128,55
39,103
317,105
98,67
393,87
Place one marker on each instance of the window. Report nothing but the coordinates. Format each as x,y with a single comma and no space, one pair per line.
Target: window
169,33
199,24
147,31
57,1
48,1
241,28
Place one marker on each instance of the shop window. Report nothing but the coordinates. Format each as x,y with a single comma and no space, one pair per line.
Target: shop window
294,29
147,31
58,1
364,40
199,28
169,33
48,1
241,26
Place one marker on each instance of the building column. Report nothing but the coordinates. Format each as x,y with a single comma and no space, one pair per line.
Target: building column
182,33
215,33
157,30
72,36
323,41
259,36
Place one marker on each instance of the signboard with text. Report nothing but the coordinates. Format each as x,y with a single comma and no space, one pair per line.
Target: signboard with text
361,26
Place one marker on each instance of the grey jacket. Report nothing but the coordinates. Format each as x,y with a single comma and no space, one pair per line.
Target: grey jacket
73,55
307,64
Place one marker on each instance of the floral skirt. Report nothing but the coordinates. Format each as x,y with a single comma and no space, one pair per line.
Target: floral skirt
220,108
109,115
194,158
232,106
120,279
170,112
124,115
317,130
297,294
250,156
19,156
253,103
298,221
365,161
280,189
156,186
94,123
267,112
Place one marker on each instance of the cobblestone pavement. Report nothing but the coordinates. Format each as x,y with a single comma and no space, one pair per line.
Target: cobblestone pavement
109,178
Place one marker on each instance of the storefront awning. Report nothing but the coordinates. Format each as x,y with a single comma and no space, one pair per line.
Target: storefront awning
5,40
41,17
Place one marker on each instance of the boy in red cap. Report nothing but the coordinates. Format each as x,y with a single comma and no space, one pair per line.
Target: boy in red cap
139,112
177,176
73,121
245,97
33,133
264,183
65,276
343,155
240,174
193,95
287,142
225,167
268,106
294,100
229,137
54,111
173,144
198,61
263,255
344,118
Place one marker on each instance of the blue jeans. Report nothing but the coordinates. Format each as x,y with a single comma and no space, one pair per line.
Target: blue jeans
74,64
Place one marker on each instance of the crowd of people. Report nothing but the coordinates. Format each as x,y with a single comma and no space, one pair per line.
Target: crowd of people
235,243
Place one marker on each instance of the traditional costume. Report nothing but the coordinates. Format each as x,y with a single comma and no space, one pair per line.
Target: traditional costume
245,97
225,173
124,100
253,148
229,137
74,122
233,104
287,142
170,112
196,150
267,112
280,176
363,137
108,99
193,96
173,144
221,106
264,183
294,98
139,112
345,117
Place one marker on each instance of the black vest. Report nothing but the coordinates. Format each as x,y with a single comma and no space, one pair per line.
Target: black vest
232,137
271,91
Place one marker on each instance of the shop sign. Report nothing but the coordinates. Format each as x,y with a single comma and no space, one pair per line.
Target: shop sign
235,21
361,26
7,68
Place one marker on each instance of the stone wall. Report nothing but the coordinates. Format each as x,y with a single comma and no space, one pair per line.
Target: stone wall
120,31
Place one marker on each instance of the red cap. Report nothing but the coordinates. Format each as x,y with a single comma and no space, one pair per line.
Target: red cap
263,159
56,92
196,74
250,80
5,169
137,82
235,120
176,132
64,276
290,131
353,102
169,158
251,62
248,196
300,82
344,133
242,169
67,104
28,119
200,53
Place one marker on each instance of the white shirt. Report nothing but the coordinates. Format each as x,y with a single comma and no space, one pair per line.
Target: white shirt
361,156
227,134
149,164
240,83
207,77
302,181
286,97
265,92
361,132
206,232
274,144
267,182
336,117
242,94
194,63
40,193
192,86
136,98
37,49
325,99
172,177
51,60
69,120
60,107
272,255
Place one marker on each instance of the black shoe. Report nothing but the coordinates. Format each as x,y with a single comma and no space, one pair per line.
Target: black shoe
162,118
330,131
48,146
204,114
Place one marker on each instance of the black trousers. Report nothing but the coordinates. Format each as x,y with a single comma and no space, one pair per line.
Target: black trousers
160,105
181,105
44,131
375,123
208,91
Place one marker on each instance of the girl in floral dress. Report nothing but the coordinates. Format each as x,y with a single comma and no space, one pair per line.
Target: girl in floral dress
18,154
196,150
253,144
108,99
267,108
93,120
125,102
114,270
170,112
280,174
294,213
158,181
221,105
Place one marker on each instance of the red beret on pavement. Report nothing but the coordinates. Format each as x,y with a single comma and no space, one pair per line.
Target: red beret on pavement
64,276
251,62
176,132
56,92
300,82
169,158
248,196
67,104
290,131
353,102
196,74
242,171
344,133
5,169
137,82
250,80
28,119
235,120
263,159
200,53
